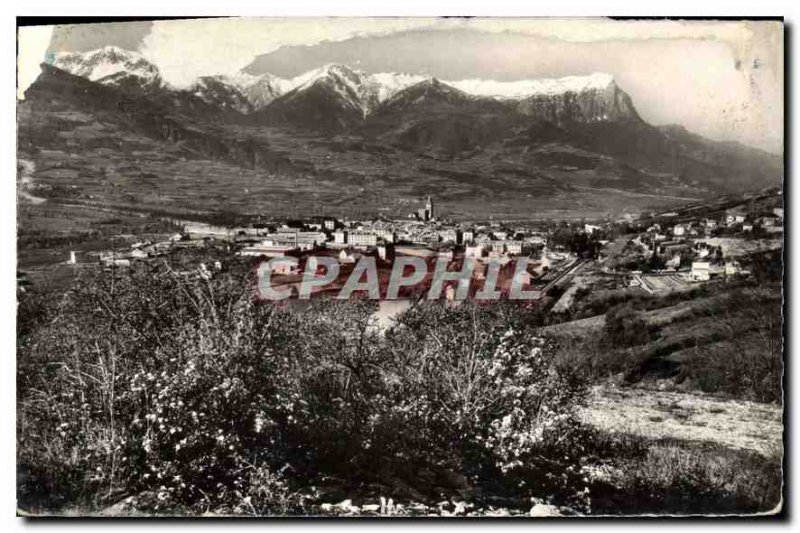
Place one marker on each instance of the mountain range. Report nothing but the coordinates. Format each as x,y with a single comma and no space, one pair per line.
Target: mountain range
371,137
247,93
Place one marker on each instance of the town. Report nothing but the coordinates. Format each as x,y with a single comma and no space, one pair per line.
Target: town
655,252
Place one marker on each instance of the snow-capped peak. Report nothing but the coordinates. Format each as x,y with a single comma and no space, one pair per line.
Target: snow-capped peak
391,83
378,87
534,87
352,86
108,61
327,71
113,65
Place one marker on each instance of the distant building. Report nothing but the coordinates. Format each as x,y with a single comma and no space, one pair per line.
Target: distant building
475,251
467,236
448,235
362,238
385,234
590,228
203,231
733,268
514,247
734,216
701,270
429,214
295,237
768,221
426,214
340,237
386,252
268,249
679,230
536,239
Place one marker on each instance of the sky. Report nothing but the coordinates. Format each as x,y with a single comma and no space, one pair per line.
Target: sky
721,79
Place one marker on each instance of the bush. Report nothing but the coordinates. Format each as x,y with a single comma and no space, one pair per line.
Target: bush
184,389
687,479
740,351
488,385
624,327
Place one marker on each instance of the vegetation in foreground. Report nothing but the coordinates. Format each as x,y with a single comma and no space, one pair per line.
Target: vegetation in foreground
185,397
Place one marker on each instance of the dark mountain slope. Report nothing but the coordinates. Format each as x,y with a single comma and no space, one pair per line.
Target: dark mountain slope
167,117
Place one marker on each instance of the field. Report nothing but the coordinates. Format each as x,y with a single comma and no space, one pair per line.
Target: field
687,416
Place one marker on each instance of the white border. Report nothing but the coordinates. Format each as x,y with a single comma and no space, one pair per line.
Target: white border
560,8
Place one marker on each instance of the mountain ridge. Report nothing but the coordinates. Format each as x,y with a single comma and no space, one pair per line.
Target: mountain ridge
262,89
429,135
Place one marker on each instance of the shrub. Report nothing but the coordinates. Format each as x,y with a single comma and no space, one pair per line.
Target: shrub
687,479
184,389
624,327
747,359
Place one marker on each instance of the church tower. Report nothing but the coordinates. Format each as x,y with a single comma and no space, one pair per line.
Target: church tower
429,209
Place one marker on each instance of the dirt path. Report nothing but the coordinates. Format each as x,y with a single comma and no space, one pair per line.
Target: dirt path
26,170
637,194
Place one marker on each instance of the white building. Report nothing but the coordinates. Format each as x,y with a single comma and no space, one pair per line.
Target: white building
734,217
475,251
514,247
202,231
385,234
295,237
448,235
701,271
590,228
268,249
362,238
732,268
